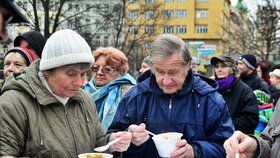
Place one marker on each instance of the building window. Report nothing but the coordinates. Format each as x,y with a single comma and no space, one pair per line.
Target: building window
97,24
105,26
168,0
150,1
97,41
167,14
39,5
87,22
88,7
98,7
168,29
70,24
132,1
77,23
77,7
202,1
150,14
202,13
56,5
181,0
201,29
147,45
132,29
181,13
105,7
106,41
133,14
181,29
149,29
70,6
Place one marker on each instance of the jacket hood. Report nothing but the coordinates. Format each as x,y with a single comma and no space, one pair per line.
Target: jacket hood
200,84
28,81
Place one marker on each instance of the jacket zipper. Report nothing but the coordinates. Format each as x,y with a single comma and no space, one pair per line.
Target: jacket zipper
68,122
169,108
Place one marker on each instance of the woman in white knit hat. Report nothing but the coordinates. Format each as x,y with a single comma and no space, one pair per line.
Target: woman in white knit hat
43,111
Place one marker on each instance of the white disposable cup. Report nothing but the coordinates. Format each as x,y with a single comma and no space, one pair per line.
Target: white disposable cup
165,142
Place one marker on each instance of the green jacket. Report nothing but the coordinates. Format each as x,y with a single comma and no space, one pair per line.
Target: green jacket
33,123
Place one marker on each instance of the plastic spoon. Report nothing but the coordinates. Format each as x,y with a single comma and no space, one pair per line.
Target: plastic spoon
105,147
150,133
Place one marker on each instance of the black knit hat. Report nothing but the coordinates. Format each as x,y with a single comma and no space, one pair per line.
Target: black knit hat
35,40
249,60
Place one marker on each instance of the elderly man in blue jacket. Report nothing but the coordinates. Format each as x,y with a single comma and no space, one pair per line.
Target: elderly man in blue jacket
170,98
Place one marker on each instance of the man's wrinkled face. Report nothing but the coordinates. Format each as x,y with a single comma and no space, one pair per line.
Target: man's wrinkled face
170,73
13,63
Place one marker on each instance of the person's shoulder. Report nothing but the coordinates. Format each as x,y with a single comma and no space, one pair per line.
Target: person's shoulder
204,85
242,86
125,88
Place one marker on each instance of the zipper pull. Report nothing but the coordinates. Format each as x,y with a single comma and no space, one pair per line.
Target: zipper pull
170,104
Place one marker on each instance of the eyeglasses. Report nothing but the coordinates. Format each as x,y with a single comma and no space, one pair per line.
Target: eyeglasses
105,70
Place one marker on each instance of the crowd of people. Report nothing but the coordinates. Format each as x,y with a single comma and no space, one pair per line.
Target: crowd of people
50,108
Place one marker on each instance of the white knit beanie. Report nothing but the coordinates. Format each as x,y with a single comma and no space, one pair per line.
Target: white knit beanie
65,47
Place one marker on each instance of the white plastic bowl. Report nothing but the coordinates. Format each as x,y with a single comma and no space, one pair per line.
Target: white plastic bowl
84,155
165,142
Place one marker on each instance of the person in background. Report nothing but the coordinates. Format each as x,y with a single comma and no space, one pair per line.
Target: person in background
247,65
172,99
9,14
33,40
146,64
109,83
240,99
45,113
264,146
15,60
262,71
266,109
275,85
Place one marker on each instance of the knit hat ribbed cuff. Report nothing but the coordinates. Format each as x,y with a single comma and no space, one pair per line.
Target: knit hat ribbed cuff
245,61
65,47
65,60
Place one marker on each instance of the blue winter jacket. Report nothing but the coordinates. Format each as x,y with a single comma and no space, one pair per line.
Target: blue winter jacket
197,110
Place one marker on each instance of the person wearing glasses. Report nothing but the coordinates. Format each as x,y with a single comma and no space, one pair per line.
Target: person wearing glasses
9,14
172,99
45,113
109,83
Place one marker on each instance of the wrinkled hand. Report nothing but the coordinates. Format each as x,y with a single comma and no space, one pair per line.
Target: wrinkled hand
121,145
139,134
184,150
239,142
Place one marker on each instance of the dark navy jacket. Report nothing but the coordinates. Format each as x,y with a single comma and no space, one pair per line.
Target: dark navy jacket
197,110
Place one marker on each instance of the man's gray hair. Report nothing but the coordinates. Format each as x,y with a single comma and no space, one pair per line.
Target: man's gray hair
167,44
